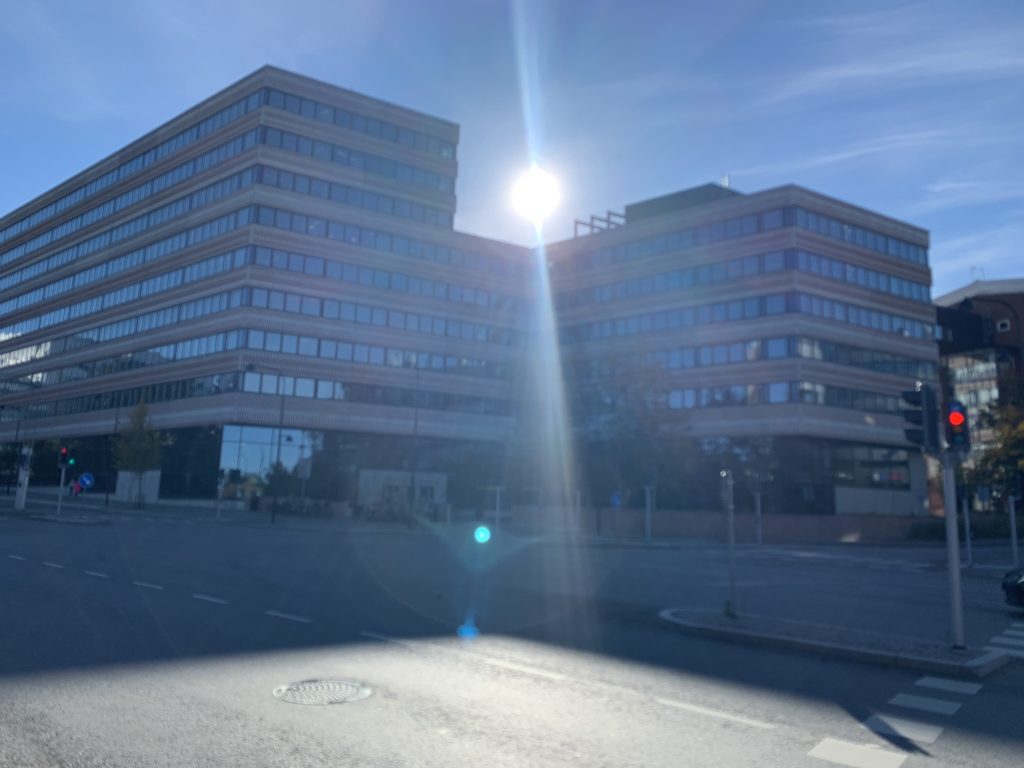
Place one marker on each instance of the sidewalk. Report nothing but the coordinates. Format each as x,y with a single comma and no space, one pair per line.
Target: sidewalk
825,640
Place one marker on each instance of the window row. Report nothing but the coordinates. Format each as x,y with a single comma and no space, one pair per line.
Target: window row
269,341
747,266
129,361
746,309
871,466
353,121
368,354
363,314
129,326
329,389
129,229
382,279
365,237
356,158
223,383
356,197
131,167
859,236
129,198
779,392
107,269
744,226
775,349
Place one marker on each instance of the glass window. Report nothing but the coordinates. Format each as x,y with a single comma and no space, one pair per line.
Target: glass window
304,387
778,392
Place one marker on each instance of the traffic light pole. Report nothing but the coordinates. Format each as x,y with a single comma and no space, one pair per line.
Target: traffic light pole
60,491
952,548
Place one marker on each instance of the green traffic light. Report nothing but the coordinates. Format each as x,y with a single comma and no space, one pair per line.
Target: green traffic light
71,462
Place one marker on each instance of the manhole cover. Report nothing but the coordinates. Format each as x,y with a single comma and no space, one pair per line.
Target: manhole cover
322,692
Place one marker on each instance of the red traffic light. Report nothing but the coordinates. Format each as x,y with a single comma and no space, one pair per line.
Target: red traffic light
956,418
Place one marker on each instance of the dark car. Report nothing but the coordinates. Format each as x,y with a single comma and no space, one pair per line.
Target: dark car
1013,586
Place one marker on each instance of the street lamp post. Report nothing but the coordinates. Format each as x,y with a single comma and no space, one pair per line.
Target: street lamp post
17,444
106,456
415,440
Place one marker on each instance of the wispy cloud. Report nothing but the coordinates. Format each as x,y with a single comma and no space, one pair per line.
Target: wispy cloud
949,194
895,48
896,142
996,251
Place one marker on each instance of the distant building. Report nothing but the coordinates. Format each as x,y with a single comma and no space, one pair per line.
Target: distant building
276,273
981,343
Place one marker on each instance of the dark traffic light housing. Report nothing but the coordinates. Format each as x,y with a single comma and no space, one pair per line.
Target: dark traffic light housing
958,435
62,457
923,418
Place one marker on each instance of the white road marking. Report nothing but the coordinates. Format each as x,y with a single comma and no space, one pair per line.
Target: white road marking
1014,633
97,574
525,669
147,585
715,713
925,704
1007,641
288,617
388,639
856,755
17,557
1007,651
945,684
1018,625
209,598
887,725
48,564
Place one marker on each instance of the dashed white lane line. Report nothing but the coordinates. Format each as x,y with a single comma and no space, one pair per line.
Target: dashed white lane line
715,713
48,564
856,755
1018,625
288,617
524,668
388,639
887,725
925,704
209,598
952,686
147,585
17,557
97,574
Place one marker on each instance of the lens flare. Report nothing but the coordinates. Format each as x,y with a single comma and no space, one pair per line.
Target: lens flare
535,196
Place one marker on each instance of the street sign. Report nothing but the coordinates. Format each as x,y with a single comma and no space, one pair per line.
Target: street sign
86,480
616,500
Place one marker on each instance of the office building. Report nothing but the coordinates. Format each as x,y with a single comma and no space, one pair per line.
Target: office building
280,254
283,255
784,317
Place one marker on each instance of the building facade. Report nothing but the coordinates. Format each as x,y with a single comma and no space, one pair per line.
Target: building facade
281,255
784,317
982,346
275,272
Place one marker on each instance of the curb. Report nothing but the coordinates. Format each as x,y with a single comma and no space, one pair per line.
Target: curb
979,667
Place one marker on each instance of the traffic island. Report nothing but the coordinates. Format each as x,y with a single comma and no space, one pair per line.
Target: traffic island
824,640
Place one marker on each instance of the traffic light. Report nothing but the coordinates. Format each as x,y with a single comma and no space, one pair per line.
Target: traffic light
62,457
71,461
923,416
957,434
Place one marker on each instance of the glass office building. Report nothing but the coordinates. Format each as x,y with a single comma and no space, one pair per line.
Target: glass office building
275,272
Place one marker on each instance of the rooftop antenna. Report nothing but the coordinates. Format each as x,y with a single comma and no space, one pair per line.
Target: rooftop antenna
977,273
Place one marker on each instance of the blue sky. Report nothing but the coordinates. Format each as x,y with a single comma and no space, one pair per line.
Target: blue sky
913,109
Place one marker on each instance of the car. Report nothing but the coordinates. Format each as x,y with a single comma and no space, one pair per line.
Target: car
1013,587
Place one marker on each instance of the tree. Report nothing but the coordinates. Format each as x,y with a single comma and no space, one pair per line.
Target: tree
1002,462
138,447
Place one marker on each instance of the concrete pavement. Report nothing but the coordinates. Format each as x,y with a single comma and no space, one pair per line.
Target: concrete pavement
125,639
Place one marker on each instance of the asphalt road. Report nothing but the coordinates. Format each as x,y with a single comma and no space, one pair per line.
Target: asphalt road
151,643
